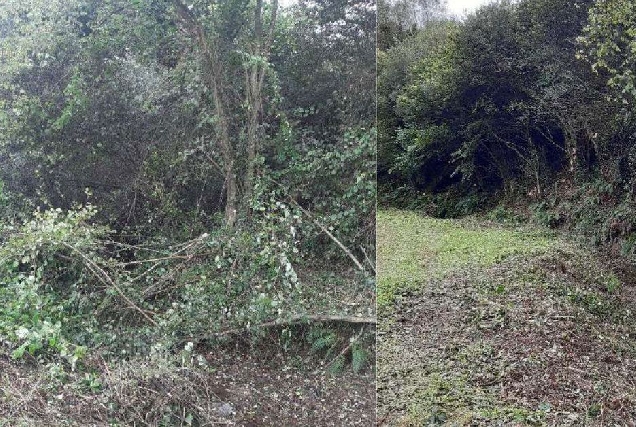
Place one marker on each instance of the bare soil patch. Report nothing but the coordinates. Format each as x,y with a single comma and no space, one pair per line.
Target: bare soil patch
235,387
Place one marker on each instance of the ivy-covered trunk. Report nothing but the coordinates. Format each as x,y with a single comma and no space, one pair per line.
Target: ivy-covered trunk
254,78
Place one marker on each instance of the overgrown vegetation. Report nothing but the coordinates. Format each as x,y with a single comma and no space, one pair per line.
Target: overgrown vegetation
506,174
180,178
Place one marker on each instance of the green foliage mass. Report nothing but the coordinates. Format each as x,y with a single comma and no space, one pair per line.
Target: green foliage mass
174,173
609,41
44,296
524,103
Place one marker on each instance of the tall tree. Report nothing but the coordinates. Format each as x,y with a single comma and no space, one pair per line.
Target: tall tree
609,41
236,119
399,18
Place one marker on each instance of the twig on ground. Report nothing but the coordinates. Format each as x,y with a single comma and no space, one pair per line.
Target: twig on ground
331,236
293,320
371,264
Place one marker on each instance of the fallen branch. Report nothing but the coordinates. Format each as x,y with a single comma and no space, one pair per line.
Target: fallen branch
174,255
103,277
165,258
328,233
346,349
294,320
368,259
322,227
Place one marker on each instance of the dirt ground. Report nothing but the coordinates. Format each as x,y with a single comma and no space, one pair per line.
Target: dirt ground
276,394
235,388
537,339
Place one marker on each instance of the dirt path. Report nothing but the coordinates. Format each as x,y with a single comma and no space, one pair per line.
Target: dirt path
498,326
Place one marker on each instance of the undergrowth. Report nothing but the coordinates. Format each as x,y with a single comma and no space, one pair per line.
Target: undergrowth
500,324
77,301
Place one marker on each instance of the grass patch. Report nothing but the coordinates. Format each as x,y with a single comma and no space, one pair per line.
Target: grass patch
413,248
450,399
501,325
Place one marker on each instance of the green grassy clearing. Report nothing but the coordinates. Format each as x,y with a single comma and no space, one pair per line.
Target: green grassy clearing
413,248
483,324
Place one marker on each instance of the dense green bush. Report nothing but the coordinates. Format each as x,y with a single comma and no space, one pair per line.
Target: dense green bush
178,180
521,103
344,202
46,289
68,283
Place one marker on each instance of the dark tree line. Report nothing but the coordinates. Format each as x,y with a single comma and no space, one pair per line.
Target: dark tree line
519,99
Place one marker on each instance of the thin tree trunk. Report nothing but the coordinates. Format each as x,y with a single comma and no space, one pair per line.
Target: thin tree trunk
231,202
223,140
212,73
254,78
255,104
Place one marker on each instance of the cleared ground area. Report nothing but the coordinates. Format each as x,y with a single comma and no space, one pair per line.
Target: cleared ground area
484,324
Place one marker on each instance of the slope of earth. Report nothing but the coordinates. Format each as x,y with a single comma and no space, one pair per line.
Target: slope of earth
481,324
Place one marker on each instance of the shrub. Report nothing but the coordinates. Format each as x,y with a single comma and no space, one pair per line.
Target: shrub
43,284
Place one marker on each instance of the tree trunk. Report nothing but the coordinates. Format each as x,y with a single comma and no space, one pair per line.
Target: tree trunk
254,78
254,101
231,202
213,69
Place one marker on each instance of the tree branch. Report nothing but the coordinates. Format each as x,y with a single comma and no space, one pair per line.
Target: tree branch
344,350
106,279
331,236
294,320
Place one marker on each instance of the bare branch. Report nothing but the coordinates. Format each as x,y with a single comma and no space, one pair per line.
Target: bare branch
322,227
103,277
331,236
344,350
293,320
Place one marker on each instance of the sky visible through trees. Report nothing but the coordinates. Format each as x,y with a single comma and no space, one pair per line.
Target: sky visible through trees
459,7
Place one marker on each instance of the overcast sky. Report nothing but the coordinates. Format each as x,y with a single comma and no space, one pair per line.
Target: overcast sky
456,7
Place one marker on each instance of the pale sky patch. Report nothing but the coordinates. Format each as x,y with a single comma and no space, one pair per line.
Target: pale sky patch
460,7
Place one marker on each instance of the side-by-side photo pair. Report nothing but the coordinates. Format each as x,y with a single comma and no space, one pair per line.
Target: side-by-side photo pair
336,213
